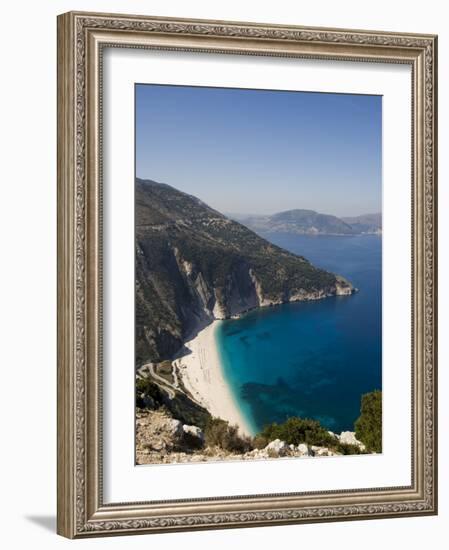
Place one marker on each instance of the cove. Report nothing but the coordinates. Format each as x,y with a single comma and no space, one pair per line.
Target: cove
311,359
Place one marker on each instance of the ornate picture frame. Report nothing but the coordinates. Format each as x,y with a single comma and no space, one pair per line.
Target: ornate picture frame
82,38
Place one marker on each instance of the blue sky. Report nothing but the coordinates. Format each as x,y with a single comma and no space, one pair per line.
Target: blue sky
261,152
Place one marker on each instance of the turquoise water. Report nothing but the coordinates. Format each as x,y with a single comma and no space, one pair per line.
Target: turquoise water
311,359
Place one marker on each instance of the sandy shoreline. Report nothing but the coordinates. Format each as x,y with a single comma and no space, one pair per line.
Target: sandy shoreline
202,376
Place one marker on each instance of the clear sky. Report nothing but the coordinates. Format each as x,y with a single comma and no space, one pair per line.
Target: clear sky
261,152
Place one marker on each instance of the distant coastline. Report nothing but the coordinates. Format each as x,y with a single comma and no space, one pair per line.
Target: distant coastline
311,223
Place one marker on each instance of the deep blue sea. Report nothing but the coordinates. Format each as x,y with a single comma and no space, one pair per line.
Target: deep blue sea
311,359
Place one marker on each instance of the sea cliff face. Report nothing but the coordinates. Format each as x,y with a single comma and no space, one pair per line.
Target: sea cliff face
194,265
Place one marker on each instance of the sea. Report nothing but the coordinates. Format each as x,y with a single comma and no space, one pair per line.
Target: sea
310,359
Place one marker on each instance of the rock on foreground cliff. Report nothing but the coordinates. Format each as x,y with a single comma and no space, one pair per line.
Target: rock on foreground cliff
161,439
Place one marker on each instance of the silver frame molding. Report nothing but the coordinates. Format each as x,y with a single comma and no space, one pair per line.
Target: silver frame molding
81,39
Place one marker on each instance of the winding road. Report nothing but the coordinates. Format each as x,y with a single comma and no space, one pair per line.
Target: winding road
161,381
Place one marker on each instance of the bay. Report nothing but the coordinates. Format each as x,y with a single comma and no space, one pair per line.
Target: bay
311,359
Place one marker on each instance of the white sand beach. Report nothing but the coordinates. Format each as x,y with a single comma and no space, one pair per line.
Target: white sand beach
202,376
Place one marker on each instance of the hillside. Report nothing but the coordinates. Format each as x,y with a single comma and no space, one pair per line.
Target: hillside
194,265
309,222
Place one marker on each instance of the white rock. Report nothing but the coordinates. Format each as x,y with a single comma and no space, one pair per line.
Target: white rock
277,447
175,427
193,430
303,449
158,445
349,438
322,451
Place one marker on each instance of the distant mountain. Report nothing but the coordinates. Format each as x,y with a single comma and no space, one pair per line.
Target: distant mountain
367,223
194,265
309,222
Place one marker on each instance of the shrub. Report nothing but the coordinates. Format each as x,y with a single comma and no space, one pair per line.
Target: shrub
219,433
368,427
145,387
347,449
299,430
272,453
192,442
260,442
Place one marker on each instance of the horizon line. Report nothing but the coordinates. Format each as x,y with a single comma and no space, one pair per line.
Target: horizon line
227,213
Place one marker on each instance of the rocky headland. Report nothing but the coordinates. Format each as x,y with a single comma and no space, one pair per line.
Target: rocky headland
194,265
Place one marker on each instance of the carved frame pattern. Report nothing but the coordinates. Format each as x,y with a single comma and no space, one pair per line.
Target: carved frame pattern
81,37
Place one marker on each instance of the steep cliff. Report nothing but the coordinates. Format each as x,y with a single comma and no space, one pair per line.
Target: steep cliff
194,265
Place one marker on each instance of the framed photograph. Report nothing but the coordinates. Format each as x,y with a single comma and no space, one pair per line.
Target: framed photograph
246,274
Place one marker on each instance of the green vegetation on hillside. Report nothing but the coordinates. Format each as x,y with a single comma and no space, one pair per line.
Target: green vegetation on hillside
219,433
298,430
294,431
368,427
